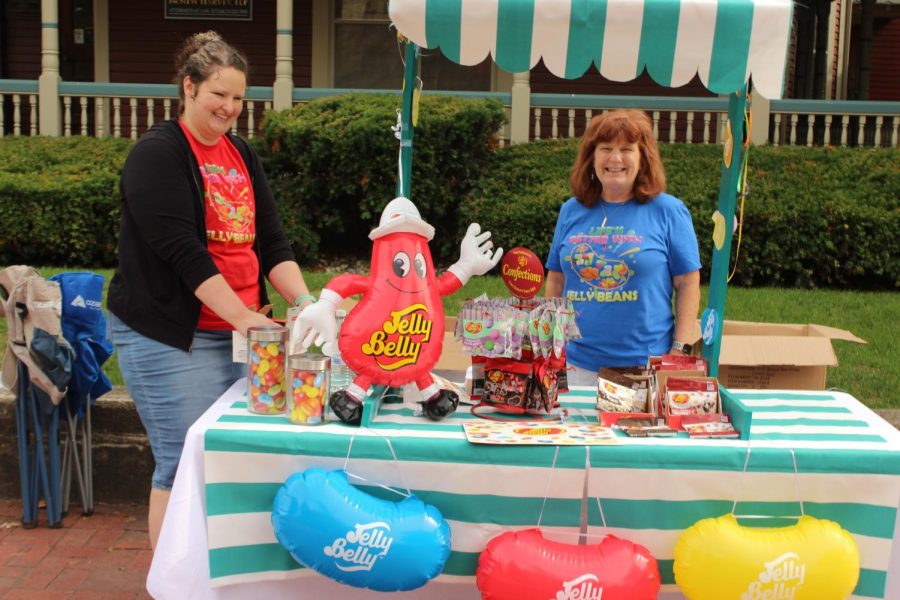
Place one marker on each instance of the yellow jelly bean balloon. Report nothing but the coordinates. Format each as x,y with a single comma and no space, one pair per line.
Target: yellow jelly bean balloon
272,349
263,367
813,559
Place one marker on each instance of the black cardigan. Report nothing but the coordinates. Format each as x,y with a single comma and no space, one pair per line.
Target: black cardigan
163,254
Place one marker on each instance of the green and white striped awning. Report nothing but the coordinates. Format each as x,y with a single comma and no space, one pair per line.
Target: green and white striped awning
724,41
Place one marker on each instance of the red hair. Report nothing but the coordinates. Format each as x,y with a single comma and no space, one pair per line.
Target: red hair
634,127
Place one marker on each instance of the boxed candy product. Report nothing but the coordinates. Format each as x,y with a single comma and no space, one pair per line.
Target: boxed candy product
623,389
689,396
709,426
635,427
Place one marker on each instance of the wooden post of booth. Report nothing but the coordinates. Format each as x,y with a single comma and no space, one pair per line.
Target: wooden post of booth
407,120
713,317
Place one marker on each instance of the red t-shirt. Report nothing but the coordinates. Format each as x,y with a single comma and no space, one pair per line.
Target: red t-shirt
230,221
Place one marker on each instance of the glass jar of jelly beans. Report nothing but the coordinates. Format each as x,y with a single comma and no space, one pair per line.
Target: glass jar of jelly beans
266,355
308,376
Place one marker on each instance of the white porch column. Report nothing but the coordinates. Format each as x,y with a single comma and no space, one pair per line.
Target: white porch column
521,108
101,63
844,44
759,107
321,74
48,82
283,88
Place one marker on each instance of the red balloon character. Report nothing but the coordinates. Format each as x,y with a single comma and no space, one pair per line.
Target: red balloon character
395,334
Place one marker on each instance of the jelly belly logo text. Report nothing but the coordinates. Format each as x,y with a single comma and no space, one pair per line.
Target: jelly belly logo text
584,587
779,581
360,548
400,339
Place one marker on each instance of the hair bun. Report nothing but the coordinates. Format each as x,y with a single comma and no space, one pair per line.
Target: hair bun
206,37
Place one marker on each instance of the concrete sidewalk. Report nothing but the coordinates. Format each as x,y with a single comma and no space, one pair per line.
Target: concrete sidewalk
105,556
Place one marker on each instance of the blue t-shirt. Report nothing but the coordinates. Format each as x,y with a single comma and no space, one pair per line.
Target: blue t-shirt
618,261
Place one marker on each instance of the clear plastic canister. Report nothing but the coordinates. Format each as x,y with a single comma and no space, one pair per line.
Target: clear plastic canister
266,390
308,376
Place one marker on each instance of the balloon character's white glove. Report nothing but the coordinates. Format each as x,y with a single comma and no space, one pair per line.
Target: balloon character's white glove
475,257
316,324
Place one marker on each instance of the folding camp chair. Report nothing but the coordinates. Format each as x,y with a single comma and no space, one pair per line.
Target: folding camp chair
37,366
84,326
38,467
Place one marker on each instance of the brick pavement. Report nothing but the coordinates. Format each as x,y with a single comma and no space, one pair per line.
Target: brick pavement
105,556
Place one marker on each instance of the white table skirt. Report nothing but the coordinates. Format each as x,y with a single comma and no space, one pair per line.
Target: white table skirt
180,567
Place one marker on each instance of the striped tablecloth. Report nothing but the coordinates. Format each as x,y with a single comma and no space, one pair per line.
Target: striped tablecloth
650,490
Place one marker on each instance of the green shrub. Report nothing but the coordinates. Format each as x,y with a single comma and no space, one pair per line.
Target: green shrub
333,164
59,200
815,217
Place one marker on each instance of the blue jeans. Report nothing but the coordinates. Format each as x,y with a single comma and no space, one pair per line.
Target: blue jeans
171,388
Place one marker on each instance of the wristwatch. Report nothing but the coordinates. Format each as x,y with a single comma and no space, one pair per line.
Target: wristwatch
681,347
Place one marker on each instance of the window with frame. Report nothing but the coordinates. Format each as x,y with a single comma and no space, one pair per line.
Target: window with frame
367,54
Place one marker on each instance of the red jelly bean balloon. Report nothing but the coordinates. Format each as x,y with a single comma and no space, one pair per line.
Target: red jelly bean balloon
524,565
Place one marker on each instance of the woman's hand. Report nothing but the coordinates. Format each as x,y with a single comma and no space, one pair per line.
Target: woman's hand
216,294
252,319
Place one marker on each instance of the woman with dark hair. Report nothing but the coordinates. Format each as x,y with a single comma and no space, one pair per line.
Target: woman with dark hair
622,249
198,237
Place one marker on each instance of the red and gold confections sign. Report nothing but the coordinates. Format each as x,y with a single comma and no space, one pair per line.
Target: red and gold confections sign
522,272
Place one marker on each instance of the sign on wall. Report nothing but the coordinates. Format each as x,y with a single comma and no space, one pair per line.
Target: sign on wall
222,10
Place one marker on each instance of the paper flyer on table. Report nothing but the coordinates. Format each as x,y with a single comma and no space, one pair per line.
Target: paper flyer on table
539,433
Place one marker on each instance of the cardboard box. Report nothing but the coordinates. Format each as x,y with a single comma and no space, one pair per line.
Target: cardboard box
777,355
452,356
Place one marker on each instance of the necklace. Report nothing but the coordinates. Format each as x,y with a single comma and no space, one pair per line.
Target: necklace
618,207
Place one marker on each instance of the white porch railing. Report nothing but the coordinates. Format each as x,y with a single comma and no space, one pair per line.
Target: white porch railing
834,123
18,107
127,110
690,120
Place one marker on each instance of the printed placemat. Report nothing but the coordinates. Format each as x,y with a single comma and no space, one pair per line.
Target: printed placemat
539,433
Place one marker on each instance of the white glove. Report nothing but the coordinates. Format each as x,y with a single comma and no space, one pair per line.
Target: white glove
475,256
316,323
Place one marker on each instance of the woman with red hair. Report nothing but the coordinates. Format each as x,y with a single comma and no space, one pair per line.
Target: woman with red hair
622,250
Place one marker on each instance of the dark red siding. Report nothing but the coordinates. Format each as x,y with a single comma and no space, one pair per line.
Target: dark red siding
143,43
22,43
885,80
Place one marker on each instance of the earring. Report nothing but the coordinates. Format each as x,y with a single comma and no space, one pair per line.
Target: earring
593,177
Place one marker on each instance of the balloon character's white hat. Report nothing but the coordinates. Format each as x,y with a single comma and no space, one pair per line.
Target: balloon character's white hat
401,215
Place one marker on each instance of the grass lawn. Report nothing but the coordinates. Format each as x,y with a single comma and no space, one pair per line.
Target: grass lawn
867,371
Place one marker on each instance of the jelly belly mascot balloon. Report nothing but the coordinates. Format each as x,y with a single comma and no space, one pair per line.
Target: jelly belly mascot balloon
395,334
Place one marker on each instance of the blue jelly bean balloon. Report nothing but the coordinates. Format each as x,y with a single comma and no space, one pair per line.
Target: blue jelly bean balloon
357,539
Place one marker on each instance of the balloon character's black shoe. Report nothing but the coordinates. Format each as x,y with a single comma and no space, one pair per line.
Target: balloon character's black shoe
440,405
347,408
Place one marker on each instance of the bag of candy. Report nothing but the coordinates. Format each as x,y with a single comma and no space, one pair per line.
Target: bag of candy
506,384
